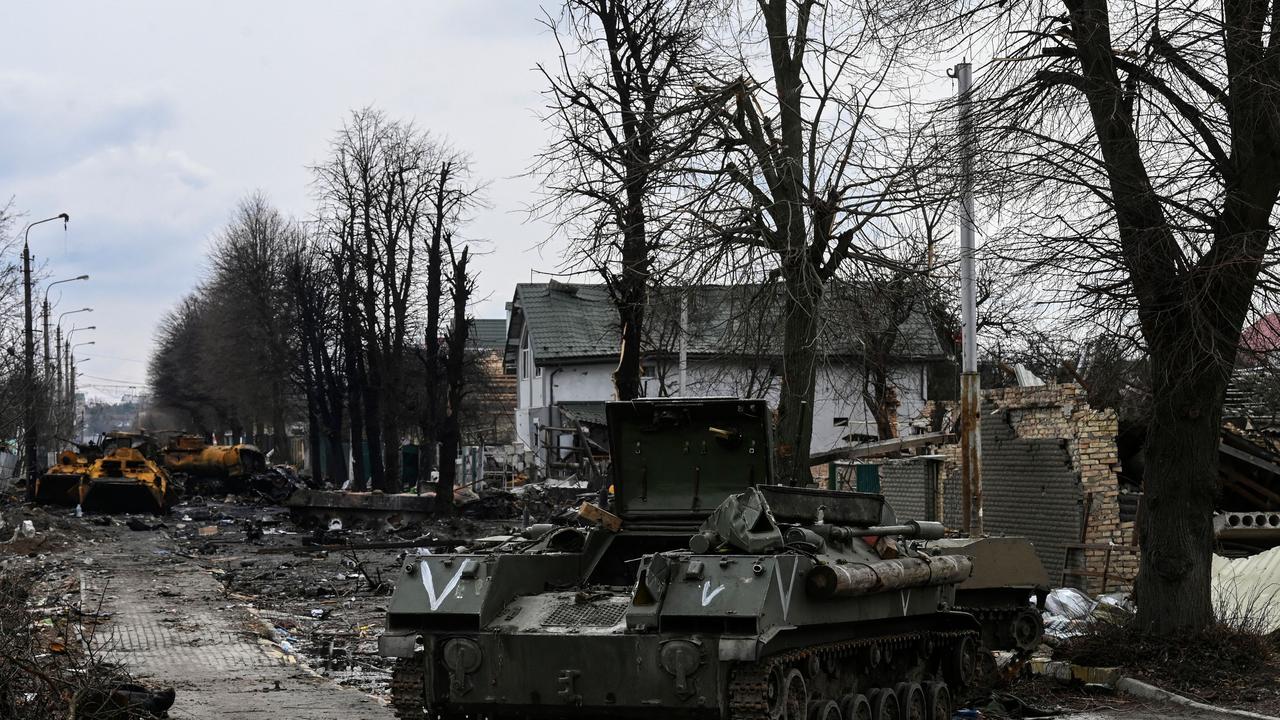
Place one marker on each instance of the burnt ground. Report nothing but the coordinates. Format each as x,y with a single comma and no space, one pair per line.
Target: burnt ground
328,605
221,602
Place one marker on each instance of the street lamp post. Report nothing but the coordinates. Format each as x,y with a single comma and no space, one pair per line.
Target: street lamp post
45,314
74,373
61,387
30,434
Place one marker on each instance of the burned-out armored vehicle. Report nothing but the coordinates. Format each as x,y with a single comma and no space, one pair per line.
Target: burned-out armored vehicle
705,591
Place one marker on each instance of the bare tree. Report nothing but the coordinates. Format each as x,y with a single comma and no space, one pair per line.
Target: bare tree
311,283
625,113
245,351
462,283
1138,145
375,192
804,172
453,195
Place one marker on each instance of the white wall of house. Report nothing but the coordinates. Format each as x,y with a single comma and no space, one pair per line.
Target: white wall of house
838,407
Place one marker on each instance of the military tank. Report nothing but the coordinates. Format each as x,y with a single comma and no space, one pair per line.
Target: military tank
703,591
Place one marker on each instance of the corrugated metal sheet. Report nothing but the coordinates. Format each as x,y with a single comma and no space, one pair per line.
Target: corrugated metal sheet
905,484
1247,590
1029,490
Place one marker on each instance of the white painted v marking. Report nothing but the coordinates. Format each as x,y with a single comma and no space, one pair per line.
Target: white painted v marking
785,593
429,583
707,597
906,600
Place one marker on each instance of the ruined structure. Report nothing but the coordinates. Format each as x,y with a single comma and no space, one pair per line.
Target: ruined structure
1050,473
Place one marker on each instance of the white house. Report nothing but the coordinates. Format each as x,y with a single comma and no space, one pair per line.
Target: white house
563,343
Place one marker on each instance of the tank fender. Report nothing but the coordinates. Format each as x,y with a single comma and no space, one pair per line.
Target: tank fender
399,645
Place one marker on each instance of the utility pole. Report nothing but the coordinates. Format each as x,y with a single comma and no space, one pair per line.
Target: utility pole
29,432
684,342
970,383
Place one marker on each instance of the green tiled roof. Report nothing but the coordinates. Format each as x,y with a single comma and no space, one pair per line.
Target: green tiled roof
570,322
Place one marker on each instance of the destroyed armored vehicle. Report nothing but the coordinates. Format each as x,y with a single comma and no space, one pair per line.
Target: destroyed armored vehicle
1006,591
116,474
703,591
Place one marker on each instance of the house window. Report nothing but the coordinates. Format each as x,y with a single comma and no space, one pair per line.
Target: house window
526,356
840,422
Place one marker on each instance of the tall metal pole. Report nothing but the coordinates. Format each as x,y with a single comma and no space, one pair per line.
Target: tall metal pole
684,343
59,395
29,432
28,374
45,338
970,385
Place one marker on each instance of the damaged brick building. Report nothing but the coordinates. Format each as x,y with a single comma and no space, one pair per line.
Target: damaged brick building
1051,473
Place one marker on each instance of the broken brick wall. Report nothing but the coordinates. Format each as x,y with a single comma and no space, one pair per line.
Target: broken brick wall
1063,412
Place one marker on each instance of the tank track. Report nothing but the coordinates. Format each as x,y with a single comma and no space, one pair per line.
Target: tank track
408,689
749,685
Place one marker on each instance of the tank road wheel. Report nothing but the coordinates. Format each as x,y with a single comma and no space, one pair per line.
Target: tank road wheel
795,696
824,710
884,705
937,701
1027,628
856,707
961,663
775,692
911,700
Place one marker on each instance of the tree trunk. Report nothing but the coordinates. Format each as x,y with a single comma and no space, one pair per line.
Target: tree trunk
279,433
314,451
801,305
631,291
1179,488
627,383
391,449
448,466
373,430
355,408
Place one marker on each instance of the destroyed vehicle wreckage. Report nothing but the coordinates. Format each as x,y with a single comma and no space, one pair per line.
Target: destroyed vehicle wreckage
705,592
119,473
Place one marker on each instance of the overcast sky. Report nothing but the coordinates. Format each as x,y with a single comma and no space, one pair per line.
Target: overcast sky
148,121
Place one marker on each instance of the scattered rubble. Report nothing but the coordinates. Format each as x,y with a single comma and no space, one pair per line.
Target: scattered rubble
52,662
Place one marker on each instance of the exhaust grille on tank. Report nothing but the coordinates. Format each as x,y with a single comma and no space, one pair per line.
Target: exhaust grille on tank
570,614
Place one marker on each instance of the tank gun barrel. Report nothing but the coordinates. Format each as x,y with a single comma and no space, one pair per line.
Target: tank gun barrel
915,529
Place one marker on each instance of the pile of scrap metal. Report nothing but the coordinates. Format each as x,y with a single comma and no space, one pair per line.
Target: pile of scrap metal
231,469
117,473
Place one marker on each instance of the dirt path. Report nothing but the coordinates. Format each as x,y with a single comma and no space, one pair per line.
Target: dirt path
172,624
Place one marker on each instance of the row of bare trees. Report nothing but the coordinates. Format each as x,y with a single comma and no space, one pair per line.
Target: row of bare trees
338,321
11,377
1127,160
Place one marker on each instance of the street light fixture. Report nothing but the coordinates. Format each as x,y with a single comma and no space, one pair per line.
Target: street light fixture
29,357
61,365
73,312
45,305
